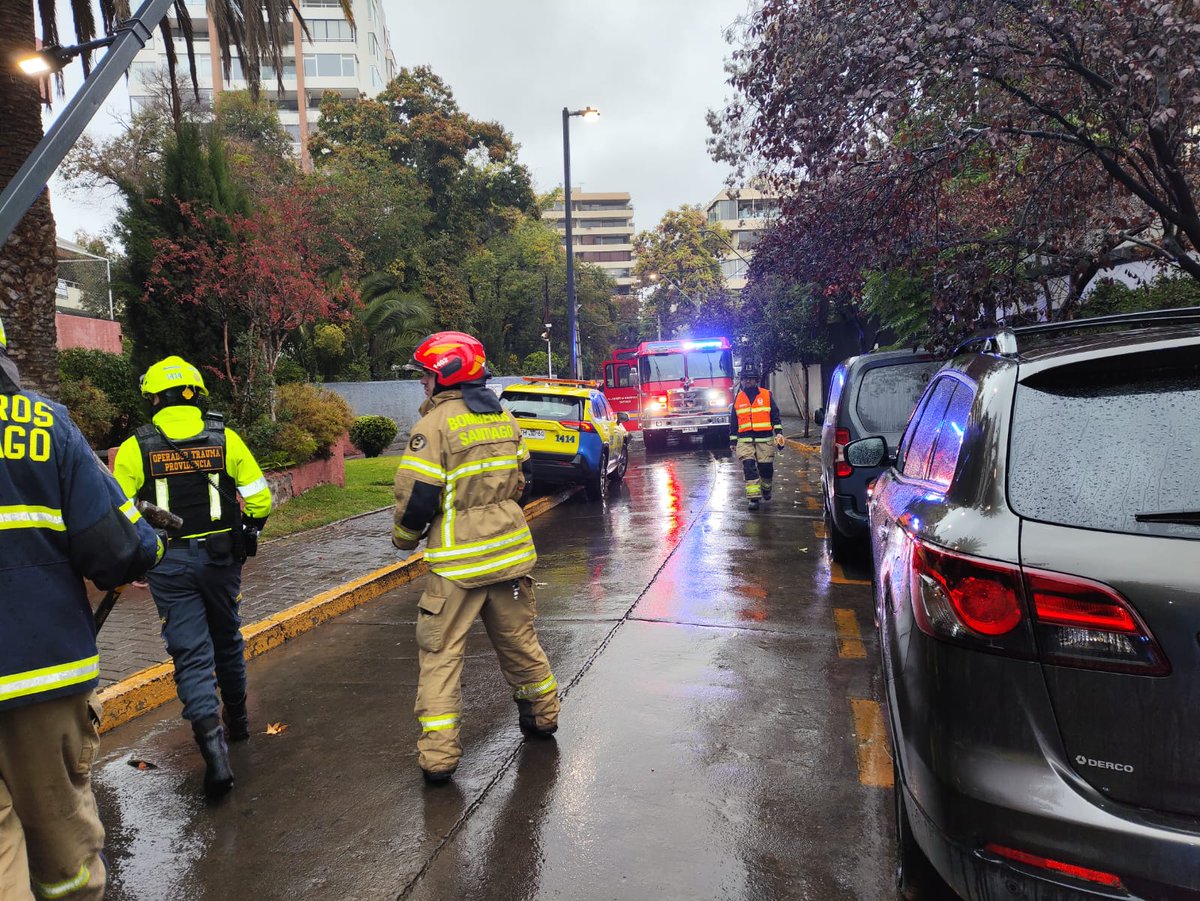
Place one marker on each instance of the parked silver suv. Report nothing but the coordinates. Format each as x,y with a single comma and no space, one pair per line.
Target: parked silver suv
1037,567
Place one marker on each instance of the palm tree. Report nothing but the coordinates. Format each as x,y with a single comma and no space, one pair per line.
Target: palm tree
395,321
254,28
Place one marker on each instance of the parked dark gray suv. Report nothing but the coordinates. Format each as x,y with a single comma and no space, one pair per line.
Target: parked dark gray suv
871,394
1037,579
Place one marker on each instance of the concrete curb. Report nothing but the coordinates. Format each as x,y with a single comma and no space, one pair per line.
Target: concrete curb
795,444
154,686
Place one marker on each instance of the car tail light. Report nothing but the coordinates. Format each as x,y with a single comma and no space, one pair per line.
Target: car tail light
578,425
841,469
1057,866
956,596
1088,624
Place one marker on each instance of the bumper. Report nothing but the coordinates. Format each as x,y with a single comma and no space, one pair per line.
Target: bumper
683,421
560,468
984,767
847,519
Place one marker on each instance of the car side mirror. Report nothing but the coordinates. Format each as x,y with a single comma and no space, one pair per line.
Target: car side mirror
622,417
867,452
819,416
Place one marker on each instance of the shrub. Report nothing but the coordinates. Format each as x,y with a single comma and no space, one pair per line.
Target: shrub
113,375
372,434
262,437
296,443
321,413
288,371
90,409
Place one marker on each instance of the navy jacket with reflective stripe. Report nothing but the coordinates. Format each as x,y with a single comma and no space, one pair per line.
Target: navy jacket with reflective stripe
62,517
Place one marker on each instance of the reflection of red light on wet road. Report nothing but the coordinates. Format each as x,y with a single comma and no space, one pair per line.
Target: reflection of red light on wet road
755,598
671,491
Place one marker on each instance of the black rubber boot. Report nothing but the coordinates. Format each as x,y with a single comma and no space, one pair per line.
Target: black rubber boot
528,722
218,777
766,494
753,505
439,778
237,721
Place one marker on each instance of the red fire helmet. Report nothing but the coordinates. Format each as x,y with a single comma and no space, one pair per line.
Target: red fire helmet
453,357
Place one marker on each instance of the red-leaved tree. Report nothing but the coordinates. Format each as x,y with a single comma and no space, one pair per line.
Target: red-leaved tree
984,145
272,272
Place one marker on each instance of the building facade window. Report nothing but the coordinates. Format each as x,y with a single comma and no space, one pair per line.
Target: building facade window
373,44
376,79
606,256
330,30
329,65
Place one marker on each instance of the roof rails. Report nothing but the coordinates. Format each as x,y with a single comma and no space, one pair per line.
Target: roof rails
542,380
1004,342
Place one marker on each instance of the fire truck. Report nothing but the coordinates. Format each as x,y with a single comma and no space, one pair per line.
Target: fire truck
620,385
682,386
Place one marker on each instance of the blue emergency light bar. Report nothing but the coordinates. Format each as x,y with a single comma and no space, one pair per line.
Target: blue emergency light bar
669,346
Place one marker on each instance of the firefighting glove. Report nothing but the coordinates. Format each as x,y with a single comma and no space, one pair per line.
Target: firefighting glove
779,440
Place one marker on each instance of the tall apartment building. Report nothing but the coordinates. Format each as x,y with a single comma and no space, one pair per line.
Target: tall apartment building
602,230
353,60
745,216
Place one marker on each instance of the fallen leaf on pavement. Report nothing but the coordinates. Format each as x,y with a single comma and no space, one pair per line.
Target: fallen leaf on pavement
142,764
276,728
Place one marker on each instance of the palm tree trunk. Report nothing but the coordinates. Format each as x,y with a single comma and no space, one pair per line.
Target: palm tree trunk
28,271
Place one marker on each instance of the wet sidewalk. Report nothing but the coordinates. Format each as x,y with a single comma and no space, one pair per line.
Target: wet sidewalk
286,571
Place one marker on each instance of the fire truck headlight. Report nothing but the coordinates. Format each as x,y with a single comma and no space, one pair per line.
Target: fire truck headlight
717,398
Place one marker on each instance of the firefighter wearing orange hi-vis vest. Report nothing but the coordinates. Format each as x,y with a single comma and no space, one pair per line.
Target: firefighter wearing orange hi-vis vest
756,430
458,482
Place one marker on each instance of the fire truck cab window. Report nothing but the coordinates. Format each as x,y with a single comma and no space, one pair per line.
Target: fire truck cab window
662,367
715,364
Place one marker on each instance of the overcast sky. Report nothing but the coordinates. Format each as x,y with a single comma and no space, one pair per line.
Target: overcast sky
652,68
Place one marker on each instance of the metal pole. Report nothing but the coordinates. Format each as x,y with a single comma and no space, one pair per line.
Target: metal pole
30,180
572,326
108,276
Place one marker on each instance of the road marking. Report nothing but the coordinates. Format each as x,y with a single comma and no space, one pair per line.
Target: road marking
838,576
819,530
874,758
850,643
812,502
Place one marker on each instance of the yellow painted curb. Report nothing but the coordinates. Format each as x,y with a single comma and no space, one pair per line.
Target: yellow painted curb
801,446
155,685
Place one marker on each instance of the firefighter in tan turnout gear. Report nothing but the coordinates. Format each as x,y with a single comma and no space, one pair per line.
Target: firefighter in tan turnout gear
756,430
458,481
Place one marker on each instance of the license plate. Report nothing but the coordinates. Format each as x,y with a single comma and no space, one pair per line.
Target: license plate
688,431
533,434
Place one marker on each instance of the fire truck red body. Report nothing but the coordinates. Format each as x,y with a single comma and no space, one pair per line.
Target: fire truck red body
682,386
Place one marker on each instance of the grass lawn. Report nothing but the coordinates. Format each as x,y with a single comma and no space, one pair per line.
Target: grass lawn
368,487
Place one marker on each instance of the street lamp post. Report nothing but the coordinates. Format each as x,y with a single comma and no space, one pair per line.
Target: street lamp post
588,114
549,356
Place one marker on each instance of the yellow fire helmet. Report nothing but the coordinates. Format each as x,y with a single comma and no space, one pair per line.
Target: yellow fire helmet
172,372
3,338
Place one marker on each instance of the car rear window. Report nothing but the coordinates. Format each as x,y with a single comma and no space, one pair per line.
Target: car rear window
1095,446
887,394
526,405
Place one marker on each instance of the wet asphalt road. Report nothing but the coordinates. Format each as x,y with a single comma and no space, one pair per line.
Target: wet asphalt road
719,738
